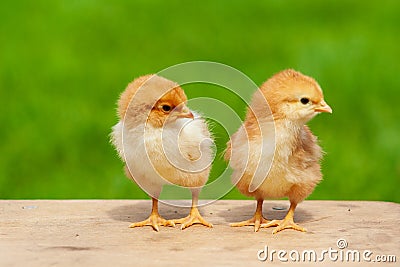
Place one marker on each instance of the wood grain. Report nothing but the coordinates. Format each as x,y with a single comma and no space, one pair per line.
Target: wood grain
96,233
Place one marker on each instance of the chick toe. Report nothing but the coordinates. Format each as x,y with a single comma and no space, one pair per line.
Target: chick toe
194,217
288,224
256,221
154,220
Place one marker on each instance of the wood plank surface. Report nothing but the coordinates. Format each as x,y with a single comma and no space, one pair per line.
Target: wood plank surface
96,233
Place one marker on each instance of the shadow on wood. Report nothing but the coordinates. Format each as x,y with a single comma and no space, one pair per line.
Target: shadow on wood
140,210
272,210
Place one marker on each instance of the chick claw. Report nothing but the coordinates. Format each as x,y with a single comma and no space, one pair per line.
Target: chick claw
154,221
283,224
256,221
193,218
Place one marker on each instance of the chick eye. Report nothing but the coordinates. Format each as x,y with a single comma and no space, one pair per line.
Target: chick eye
304,100
166,108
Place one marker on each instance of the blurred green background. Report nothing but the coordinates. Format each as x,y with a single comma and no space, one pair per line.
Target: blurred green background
63,65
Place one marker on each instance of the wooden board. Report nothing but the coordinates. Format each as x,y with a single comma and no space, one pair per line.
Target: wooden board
96,233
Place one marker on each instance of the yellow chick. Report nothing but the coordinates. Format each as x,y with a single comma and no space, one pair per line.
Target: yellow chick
162,142
283,156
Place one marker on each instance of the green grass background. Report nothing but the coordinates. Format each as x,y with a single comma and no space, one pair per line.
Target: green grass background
64,63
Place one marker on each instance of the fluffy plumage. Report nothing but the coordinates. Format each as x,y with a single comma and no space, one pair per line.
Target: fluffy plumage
283,155
162,142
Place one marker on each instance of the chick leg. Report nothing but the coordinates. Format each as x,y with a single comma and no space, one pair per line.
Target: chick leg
287,222
194,216
257,219
154,219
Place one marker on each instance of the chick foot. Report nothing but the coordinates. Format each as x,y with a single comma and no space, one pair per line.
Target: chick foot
194,217
283,224
154,221
256,221
286,223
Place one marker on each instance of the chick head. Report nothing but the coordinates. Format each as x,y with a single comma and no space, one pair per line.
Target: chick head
170,107
294,96
152,99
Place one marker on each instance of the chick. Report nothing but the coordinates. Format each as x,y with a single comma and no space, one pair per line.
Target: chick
162,142
283,156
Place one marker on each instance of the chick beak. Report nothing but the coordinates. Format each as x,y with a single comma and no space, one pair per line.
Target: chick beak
185,113
323,107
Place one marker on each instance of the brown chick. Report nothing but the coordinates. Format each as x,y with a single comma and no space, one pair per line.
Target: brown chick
283,156
162,142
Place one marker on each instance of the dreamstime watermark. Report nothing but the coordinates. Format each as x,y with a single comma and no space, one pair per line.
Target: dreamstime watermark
339,254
